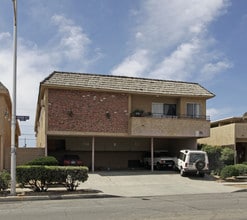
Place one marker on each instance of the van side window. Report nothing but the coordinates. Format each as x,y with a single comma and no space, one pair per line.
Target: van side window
182,156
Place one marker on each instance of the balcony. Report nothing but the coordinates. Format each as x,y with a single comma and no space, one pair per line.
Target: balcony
170,126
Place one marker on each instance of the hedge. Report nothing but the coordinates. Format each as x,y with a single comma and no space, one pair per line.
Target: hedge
39,178
48,161
233,170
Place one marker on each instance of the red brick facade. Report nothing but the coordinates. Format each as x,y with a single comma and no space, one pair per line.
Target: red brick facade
85,111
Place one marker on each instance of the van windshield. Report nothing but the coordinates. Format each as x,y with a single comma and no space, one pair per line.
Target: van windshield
196,156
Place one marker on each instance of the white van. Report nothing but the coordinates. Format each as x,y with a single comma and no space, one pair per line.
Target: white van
161,159
193,162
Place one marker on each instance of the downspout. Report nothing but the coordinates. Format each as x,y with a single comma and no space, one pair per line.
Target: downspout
93,149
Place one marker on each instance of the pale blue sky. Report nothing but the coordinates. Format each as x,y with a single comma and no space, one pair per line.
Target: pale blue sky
201,41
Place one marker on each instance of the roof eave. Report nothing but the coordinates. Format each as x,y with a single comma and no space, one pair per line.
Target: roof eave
57,86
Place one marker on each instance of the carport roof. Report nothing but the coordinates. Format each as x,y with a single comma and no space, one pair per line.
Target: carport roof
125,84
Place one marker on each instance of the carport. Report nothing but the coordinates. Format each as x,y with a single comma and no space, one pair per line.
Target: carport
113,153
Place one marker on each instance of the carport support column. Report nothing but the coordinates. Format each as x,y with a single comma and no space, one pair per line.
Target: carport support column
93,149
152,154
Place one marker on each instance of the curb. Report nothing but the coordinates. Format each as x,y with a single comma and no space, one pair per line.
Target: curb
55,197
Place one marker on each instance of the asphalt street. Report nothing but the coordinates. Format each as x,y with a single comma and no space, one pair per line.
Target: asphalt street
217,206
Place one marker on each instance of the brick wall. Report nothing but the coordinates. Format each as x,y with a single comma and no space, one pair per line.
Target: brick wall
87,111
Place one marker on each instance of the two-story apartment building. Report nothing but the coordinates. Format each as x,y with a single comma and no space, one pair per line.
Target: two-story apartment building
230,132
5,128
111,121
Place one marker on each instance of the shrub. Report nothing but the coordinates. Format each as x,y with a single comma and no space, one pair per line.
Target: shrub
227,156
214,153
40,177
74,175
35,176
229,171
48,161
4,180
242,169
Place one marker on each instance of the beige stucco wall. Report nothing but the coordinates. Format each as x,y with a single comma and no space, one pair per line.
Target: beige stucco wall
184,101
220,136
5,133
241,130
24,155
169,127
42,122
144,102
40,139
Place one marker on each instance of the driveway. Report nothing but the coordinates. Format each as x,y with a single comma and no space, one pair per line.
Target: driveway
146,183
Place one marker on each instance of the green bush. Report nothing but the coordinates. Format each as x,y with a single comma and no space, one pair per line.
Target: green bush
218,157
4,180
229,171
40,177
242,169
48,161
74,175
214,153
227,156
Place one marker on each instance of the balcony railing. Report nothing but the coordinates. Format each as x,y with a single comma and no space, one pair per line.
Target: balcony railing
158,115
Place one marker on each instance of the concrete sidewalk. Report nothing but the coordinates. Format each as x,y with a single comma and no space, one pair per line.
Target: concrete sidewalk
133,184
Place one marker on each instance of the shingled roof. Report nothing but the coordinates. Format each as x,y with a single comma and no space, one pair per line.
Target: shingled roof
125,84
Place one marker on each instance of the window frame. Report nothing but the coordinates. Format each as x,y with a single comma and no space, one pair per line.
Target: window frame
196,110
158,109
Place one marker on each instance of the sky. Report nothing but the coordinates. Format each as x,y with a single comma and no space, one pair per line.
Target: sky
201,41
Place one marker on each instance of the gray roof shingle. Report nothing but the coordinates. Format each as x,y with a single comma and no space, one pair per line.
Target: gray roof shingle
126,84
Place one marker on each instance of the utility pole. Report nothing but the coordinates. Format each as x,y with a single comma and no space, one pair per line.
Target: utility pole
13,116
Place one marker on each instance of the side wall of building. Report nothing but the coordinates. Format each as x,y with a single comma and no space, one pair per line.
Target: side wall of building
24,155
220,136
42,123
5,133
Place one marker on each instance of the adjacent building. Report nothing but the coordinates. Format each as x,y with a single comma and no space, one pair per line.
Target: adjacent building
112,121
5,128
230,132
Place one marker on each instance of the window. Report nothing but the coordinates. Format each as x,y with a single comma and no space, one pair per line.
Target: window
160,109
182,156
195,157
157,109
193,110
170,109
